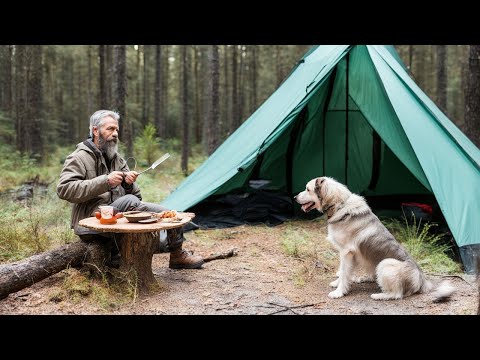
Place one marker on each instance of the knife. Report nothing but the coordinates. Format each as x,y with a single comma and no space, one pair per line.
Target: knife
156,163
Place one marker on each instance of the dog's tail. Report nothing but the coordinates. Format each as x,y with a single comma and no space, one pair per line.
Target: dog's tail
441,292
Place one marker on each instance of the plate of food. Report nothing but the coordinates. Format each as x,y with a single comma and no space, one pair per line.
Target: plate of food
169,216
136,216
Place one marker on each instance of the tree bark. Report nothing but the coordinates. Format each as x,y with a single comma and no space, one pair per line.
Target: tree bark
103,77
442,77
6,79
198,107
136,250
472,96
410,57
89,81
184,95
24,273
253,69
145,86
159,120
235,118
120,59
214,100
21,95
35,102
165,87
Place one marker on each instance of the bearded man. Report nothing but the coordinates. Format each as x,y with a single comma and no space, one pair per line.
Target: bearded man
95,174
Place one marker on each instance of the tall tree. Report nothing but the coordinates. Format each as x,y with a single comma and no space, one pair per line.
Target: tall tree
253,70
145,86
410,57
279,64
225,107
120,94
235,117
198,90
89,80
102,55
472,96
241,87
184,95
138,74
35,103
21,96
165,87
442,77
159,119
110,72
212,121
6,78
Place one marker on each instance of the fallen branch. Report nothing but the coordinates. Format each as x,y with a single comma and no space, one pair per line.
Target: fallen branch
218,256
21,274
287,308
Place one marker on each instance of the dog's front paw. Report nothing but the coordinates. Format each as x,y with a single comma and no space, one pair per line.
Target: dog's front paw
334,283
336,294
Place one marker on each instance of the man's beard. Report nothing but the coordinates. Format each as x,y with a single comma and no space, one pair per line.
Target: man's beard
109,148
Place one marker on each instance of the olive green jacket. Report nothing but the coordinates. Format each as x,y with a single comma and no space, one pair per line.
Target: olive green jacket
83,182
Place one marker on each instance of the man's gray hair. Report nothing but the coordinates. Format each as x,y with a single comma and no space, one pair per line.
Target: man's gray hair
97,119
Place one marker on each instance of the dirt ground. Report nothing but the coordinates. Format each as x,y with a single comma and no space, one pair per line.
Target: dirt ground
261,279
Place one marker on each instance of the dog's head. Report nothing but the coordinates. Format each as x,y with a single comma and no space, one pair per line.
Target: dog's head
322,193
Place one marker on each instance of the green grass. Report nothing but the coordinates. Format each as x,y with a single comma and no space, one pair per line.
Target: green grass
426,247
44,223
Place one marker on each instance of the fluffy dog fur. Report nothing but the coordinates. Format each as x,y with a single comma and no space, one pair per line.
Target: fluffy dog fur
363,241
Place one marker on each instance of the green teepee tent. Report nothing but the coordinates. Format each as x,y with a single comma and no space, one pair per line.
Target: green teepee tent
352,113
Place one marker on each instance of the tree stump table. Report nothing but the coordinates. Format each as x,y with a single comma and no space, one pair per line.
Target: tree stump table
137,245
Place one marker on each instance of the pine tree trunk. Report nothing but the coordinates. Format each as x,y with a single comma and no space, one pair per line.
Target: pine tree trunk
89,81
410,57
235,122
35,102
145,86
198,108
472,96
120,59
253,69
184,95
6,79
442,77
241,88
21,95
226,113
110,76
139,76
214,99
159,120
165,87
102,54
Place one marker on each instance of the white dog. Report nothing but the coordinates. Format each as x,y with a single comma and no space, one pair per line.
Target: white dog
362,240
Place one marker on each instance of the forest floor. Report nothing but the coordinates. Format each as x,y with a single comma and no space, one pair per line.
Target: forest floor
267,276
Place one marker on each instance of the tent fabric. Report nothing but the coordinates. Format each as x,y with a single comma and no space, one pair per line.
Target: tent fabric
353,113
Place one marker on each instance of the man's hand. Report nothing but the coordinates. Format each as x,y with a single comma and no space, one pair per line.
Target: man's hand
115,178
131,177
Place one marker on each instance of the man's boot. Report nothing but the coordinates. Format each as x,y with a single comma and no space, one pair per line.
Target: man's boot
184,259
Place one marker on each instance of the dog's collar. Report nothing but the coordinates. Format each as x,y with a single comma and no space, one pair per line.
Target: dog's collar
326,211
338,220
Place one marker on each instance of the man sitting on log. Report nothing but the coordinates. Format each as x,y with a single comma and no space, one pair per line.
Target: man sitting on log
95,174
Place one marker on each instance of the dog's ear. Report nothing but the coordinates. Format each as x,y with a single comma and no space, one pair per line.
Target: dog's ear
318,184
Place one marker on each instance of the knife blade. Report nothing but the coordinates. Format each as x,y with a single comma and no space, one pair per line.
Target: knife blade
156,163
